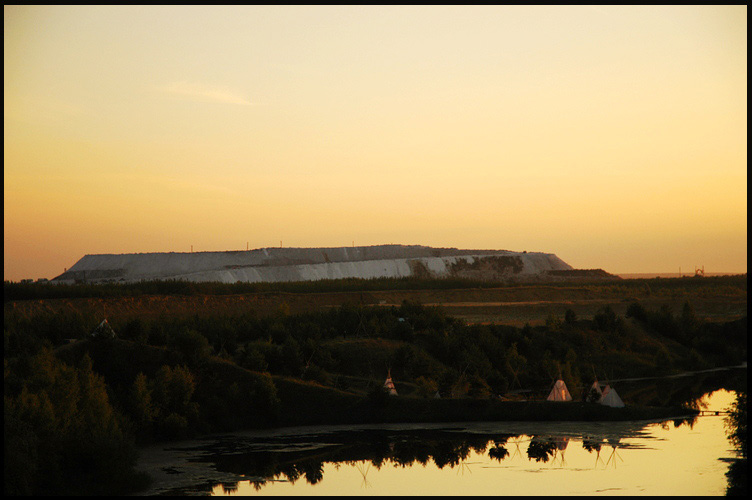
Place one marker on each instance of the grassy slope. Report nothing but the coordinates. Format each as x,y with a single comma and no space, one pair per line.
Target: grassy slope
308,403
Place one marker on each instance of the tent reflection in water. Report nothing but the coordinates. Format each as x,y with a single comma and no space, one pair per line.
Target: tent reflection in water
561,443
559,392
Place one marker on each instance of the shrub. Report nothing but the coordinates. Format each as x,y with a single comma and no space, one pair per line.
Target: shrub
252,358
317,374
174,427
378,396
192,345
605,320
426,387
570,317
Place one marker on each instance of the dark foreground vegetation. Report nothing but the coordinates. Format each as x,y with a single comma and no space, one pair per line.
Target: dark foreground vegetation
75,411
736,424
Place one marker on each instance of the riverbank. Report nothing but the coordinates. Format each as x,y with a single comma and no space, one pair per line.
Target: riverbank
396,409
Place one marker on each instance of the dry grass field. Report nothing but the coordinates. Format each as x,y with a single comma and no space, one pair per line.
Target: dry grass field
712,300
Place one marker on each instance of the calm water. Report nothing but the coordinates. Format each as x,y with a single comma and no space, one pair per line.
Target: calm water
509,458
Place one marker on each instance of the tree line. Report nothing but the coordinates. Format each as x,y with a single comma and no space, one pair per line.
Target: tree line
175,377
657,286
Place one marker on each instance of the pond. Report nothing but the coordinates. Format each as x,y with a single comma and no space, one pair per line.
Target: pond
674,457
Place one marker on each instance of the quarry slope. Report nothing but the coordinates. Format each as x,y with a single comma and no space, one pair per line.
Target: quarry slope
309,264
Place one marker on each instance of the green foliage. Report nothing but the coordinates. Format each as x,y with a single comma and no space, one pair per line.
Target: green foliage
292,359
593,396
515,363
426,387
174,427
317,374
55,427
540,449
378,397
135,330
479,388
21,444
736,424
550,366
252,358
662,358
142,409
192,345
498,383
172,390
166,381
688,321
570,317
637,311
553,323
715,285
605,320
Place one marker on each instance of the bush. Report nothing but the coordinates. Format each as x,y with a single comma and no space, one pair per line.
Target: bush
174,427
251,358
61,419
426,387
605,320
570,317
317,374
637,311
192,345
593,396
379,397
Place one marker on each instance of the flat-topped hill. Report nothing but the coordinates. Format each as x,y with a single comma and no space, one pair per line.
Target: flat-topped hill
308,264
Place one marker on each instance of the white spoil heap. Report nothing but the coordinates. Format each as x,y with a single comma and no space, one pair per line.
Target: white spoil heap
308,264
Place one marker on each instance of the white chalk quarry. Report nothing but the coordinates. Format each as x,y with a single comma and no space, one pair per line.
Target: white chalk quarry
309,264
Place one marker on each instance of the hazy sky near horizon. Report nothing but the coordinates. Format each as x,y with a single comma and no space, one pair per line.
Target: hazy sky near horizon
612,136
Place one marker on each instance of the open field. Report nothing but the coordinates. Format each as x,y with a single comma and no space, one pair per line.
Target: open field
714,299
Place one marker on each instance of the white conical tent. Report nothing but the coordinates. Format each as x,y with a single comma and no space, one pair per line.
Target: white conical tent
611,398
389,385
104,330
559,392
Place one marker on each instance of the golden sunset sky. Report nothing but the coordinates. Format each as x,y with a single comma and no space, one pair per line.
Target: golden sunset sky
612,136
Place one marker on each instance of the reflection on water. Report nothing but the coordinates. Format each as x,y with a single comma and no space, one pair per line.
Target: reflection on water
482,458
671,457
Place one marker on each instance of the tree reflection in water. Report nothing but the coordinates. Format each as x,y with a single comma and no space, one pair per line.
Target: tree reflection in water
593,444
613,442
541,449
230,488
290,458
499,451
313,470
